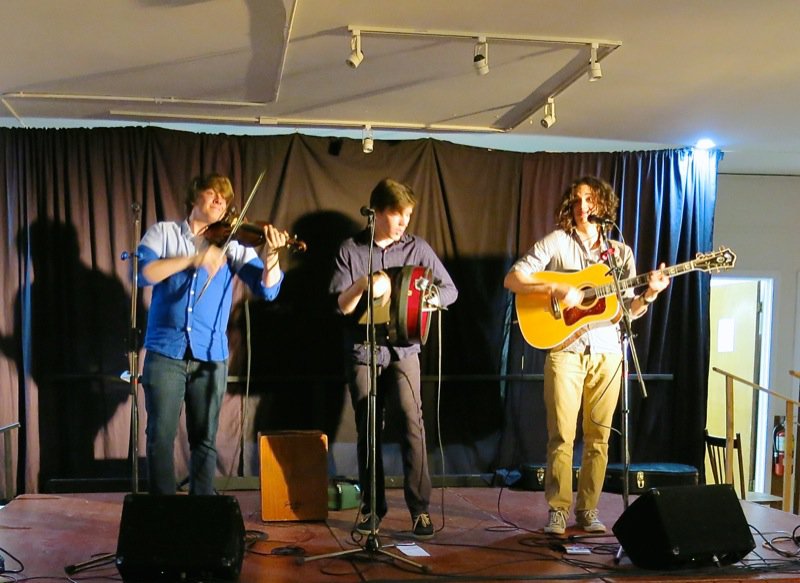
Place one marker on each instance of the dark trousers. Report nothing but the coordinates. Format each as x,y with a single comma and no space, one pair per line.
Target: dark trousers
398,389
167,384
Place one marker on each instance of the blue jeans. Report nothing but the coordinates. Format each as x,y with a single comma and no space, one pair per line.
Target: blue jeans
167,384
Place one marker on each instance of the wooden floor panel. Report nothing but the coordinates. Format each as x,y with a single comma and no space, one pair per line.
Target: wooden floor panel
483,534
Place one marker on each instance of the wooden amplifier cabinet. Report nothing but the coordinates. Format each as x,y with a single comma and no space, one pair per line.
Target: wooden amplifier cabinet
294,475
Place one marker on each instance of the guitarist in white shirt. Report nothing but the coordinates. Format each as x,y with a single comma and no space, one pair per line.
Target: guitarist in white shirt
586,367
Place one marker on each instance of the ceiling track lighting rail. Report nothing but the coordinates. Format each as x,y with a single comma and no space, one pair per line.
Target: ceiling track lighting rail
294,122
130,98
587,61
602,44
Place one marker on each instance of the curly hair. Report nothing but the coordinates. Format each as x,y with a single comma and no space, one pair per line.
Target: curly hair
606,201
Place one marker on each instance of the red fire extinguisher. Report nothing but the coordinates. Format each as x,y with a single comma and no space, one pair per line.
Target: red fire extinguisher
778,448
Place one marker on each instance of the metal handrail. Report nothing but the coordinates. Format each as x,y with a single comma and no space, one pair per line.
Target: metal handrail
790,424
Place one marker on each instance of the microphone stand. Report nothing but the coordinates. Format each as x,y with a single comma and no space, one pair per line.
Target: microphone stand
626,333
133,347
372,545
132,376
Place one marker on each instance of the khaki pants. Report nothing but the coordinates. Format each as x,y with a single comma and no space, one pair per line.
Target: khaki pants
569,380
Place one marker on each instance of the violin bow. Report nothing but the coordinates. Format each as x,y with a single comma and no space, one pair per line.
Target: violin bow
235,227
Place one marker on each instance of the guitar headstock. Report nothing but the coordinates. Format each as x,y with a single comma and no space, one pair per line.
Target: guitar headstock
715,261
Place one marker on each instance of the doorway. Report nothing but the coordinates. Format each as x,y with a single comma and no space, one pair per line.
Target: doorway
741,324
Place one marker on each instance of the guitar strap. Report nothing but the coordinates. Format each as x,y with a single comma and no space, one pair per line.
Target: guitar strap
573,337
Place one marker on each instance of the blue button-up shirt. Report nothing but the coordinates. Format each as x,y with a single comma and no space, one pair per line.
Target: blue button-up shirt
178,319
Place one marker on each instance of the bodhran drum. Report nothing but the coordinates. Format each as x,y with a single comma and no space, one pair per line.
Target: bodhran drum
411,304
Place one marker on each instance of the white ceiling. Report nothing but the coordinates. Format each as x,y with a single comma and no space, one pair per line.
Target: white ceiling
686,69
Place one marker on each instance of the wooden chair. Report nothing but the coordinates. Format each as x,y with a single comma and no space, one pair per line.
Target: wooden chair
5,432
717,455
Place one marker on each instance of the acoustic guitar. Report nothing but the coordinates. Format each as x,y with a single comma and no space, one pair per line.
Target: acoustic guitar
546,323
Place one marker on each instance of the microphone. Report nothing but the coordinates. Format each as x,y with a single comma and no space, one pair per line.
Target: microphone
367,212
597,220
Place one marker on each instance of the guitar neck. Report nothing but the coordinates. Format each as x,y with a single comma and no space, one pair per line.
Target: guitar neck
608,289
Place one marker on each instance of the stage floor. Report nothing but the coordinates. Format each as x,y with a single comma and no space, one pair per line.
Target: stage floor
487,534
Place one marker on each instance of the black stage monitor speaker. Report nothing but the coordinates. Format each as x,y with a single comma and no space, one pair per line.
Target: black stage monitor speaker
180,538
685,527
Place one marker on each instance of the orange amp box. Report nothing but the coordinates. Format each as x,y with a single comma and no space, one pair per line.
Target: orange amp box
294,475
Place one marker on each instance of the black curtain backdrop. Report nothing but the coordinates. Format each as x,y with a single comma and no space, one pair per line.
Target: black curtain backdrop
65,312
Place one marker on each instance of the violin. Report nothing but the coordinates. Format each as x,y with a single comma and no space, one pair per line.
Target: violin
248,234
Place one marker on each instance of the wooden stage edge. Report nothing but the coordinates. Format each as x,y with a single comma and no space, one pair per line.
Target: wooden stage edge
483,534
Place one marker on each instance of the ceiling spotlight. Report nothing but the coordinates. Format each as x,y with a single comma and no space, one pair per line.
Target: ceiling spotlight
704,144
549,118
480,60
595,72
367,142
356,56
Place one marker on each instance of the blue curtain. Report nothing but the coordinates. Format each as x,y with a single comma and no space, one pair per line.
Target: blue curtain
666,215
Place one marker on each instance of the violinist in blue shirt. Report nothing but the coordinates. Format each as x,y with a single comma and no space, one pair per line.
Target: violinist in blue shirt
186,341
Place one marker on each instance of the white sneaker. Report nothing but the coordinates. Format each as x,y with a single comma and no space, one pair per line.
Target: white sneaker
588,521
557,523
